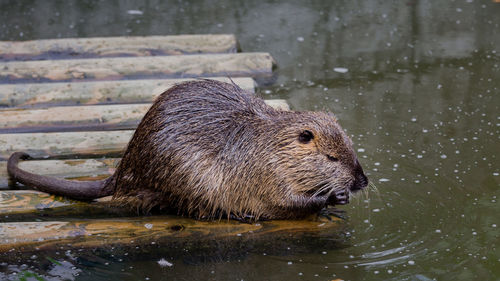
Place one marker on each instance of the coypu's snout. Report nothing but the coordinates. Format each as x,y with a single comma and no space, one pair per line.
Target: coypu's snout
360,180
341,197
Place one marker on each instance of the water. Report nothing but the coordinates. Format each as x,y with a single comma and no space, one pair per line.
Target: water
416,85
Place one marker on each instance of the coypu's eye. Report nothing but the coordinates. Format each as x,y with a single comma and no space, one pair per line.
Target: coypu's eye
306,136
332,158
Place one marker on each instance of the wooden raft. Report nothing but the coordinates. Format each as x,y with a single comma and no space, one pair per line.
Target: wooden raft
73,104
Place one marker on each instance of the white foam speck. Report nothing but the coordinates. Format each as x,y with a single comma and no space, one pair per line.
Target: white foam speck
135,12
163,263
340,69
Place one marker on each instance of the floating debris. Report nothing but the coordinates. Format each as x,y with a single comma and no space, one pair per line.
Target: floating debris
163,263
340,69
135,12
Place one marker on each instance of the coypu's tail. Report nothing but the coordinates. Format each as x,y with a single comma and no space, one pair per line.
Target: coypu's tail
79,190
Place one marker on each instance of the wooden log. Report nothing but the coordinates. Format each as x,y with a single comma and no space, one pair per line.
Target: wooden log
45,145
80,118
67,144
233,65
72,118
117,46
70,169
28,201
89,93
92,233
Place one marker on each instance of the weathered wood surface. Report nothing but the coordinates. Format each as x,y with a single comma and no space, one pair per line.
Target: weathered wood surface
43,145
72,118
100,92
233,65
30,201
81,118
117,46
66,144
95,232
115,231
71,169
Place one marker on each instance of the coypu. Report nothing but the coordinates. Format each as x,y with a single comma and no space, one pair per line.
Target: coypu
209,149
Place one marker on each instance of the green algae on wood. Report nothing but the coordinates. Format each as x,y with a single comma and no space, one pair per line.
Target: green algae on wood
14,201
117,46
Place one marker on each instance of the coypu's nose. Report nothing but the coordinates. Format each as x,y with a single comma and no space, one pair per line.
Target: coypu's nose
361,181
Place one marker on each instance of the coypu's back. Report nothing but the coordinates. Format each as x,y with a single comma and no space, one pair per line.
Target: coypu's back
208,148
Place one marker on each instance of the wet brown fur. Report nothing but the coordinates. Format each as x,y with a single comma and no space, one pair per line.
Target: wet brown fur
209,149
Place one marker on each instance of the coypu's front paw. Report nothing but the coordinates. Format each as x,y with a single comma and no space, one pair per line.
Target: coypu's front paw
339,197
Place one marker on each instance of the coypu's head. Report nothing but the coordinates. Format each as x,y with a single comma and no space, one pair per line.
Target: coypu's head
317,160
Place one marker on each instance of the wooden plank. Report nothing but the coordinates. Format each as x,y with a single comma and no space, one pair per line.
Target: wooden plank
72,118
91,233
70,169
233,65
66,144
80,118
28,201
117,46
101,92
44,145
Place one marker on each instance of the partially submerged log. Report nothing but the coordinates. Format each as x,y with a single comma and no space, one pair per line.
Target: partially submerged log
91,233
233,65
100,92
117,46
124,230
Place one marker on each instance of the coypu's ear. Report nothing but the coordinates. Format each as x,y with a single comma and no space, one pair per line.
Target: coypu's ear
306,136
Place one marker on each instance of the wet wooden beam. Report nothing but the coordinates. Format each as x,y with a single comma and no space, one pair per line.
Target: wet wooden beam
232,65
44,145
29,201
67,144
90,93
91,233
80,118
72,118
117,46
70,169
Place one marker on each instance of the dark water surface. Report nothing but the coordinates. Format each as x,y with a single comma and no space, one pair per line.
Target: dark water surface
420,99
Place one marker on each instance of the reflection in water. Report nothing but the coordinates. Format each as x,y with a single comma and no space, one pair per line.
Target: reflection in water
420,99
